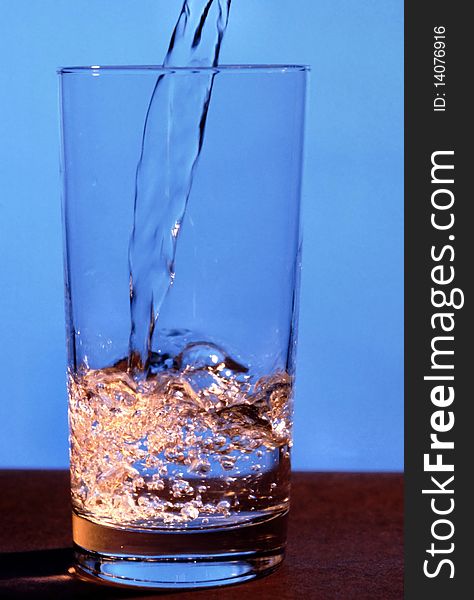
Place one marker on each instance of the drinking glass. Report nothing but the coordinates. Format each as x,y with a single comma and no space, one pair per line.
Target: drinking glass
180,460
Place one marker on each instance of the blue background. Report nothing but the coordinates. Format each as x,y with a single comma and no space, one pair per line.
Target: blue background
349,411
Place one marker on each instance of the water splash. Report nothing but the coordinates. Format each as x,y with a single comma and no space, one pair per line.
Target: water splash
199,441
172,140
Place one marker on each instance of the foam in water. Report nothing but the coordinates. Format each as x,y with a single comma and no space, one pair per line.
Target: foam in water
198,443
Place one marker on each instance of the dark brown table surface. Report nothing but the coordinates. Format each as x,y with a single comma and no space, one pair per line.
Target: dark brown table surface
345,541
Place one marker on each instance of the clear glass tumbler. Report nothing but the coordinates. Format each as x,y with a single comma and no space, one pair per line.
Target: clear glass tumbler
181,206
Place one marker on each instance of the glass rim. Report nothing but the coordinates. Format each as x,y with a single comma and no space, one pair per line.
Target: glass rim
159,69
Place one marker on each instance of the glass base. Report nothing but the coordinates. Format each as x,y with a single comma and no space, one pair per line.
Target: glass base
164,559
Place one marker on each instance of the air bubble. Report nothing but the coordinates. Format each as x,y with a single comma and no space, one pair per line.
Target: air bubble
190,511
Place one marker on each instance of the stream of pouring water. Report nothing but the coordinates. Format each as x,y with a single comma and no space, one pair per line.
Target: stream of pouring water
172,139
